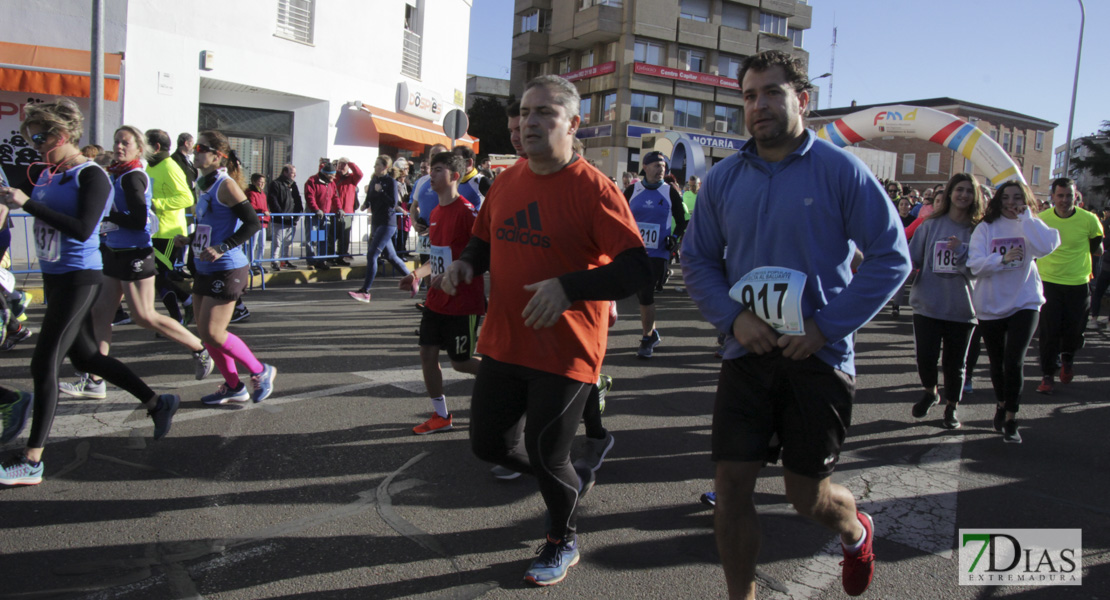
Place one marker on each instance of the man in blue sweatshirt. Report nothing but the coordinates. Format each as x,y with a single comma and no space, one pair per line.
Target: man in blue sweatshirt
787,214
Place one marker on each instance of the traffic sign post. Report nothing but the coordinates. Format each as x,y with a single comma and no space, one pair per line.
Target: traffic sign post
455,125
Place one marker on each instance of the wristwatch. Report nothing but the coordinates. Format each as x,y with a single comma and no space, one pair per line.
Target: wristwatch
223,248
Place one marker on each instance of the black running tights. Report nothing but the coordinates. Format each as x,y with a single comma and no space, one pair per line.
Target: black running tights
1007,340
552,406
67,331
928,333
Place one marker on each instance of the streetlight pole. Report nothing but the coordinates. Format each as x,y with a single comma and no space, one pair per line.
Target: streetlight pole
1074,87
96,75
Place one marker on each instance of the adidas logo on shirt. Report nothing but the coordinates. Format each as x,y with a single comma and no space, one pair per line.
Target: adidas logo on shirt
524,228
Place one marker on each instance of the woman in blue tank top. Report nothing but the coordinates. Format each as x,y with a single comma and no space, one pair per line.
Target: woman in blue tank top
70,197
129,269
224,221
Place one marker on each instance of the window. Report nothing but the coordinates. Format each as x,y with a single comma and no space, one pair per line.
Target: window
994,134
642,104
691,60
411,48
730,115
775,24
1019,144
609,107
932,163
587,59
563,65
697,10
1006,141
736,16
295,20
649,53
537,20
907,163
584,4
584,110
795,36
1036,178
687,113
1039,144
728,66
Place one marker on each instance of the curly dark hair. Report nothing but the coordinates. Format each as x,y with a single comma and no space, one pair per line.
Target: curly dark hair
793,68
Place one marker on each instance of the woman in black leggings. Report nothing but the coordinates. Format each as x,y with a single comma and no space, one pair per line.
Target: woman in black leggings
69,200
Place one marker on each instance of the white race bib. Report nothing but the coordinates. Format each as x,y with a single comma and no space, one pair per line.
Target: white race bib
649,232
1004,245
48,242
774,294
108,226
944,260
423,245
441,259
7,281
202,238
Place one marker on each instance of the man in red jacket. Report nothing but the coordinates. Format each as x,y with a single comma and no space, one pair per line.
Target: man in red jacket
321,198
346,186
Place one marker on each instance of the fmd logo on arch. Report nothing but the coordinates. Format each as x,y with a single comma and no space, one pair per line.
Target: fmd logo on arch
1021,557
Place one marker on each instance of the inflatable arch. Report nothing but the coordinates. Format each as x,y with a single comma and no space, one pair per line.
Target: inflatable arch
683,152
923,123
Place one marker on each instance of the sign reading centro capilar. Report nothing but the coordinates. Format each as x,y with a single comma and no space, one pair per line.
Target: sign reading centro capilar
680,75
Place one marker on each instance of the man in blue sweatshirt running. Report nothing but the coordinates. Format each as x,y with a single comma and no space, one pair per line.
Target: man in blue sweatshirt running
787,214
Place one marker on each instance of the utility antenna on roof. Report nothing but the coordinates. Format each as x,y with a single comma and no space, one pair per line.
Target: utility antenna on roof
832,66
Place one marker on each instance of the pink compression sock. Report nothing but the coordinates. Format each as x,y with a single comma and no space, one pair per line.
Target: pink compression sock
237,349
225,364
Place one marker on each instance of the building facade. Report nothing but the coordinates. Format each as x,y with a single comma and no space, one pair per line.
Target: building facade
921,163
649,66
286,80
1084,181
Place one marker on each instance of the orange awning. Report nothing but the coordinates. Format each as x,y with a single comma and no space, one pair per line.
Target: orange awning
54,71
411,133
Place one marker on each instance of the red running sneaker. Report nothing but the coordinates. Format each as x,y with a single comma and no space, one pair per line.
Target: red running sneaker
1066,371
434,424
859,567
1046,386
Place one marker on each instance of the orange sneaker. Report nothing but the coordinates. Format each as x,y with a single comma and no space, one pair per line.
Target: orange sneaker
1046,386
434,424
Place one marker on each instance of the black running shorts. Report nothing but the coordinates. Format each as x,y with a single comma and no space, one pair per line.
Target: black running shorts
646,294
128,264
457,334
768,406
222,285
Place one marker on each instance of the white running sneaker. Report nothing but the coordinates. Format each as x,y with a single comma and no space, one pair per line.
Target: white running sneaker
503,473
85,388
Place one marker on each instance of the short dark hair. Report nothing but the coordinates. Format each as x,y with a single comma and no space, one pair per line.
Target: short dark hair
159,137
466,152
182,138
454,162
513,110
1060,182
791,66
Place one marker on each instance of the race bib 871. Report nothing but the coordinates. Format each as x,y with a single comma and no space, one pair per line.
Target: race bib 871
774,294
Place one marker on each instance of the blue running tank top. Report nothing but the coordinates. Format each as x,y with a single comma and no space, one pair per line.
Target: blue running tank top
220,223
652,211
121,237
58,253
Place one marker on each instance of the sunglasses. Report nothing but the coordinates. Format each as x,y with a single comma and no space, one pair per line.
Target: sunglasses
201,148
39,138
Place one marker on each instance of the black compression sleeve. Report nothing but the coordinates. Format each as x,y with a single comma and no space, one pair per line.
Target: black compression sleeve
1096,245
629,271
92,196
134,192
477,254
245,212
678,212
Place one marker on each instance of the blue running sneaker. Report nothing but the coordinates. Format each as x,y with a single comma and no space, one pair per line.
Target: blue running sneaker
263,383
648,344
709,499
163,414
17,470
225,394
14,414
555,557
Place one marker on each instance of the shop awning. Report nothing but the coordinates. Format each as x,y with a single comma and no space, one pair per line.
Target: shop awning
410,133
54,71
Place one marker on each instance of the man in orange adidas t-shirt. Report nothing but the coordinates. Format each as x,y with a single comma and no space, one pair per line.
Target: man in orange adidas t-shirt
559,241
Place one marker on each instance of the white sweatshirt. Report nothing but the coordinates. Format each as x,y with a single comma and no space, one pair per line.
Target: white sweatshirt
1003,289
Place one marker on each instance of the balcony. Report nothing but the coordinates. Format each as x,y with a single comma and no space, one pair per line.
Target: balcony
786,8
696,33
530,45
594,25
768,41
526,5
738,41
803,17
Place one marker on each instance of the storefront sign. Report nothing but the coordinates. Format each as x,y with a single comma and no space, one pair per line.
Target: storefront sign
710,141
594,71
635,131
594,132
421,102
687,76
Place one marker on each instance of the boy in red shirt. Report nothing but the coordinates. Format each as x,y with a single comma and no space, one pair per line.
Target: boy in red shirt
449,321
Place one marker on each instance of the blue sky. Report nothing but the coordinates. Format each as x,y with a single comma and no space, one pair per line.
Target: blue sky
1013,54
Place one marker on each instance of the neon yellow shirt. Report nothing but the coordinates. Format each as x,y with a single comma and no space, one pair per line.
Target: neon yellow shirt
1070,264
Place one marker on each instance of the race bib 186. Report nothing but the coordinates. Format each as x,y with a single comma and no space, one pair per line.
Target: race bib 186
1004,245
774,294
650,234
944,260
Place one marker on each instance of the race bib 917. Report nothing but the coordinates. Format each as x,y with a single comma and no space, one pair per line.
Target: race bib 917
774,294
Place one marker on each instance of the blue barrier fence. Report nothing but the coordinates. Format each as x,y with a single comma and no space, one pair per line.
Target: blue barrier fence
289,237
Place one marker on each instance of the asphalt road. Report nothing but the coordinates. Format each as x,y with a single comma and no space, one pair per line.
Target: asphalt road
323,491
